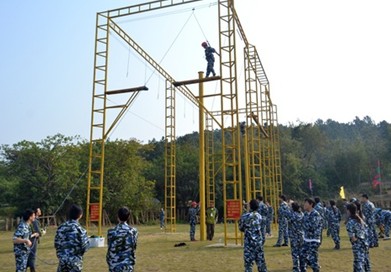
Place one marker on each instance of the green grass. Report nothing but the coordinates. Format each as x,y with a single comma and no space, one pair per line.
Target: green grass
156,252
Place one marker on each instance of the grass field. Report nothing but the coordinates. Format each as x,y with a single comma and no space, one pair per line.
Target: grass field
156,252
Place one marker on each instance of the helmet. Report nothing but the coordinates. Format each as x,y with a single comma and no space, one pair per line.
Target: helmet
204,44
353,200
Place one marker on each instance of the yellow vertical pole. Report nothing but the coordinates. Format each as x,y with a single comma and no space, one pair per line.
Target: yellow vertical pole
246,169
202,159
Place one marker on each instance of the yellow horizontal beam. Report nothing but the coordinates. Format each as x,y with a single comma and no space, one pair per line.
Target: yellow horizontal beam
193,81
129,90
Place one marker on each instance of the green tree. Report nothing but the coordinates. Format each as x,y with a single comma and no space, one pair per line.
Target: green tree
43,172
124,184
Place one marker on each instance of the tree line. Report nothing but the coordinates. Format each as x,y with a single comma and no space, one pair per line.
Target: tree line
52,173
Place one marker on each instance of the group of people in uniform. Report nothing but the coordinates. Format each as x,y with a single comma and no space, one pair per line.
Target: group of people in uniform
303,228
71,242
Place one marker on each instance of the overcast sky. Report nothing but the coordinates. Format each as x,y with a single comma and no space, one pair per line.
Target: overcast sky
324,60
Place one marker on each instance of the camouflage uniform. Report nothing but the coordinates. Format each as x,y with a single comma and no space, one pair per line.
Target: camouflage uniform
121,247
250,224
312,227
360,246
193,221
210,58
263,211
334,217
269,219
71,242
22,251
320,209
385,220
295,230
368,210
282,224
161,217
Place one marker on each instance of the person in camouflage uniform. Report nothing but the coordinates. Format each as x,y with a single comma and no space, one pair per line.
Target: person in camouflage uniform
368,210
193,211
250,223
71,242
282,223
321,210
357,232
162,216
21,240
263,211
383,221
269,218
210,58
334,217
121,244
295,229
312,228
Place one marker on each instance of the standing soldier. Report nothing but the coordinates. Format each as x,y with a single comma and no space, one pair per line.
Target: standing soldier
193,211
263,211
71,242
357,232
210,58
121,244
282,223
211,216
295,229
250,223
21,240
35,228
312,228
334,218
320,209
161,218
368,210
269,219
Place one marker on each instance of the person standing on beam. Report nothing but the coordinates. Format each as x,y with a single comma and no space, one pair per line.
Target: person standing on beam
210,58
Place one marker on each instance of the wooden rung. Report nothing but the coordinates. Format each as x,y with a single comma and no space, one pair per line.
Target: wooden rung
129,90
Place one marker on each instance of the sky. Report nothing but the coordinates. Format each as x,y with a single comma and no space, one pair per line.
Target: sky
324,60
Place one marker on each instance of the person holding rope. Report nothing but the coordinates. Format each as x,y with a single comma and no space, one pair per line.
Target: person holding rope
210,58
35,229
71,242
21,240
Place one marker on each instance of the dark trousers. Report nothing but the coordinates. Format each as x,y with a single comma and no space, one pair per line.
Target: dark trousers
33,254
210,231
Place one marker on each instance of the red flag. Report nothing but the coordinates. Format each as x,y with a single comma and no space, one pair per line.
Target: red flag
377,178
375,183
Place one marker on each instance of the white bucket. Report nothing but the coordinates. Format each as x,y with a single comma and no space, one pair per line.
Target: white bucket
97,241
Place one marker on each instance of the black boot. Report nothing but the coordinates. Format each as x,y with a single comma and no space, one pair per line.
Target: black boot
337,246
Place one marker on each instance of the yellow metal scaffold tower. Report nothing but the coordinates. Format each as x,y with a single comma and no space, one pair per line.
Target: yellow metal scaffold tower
261,137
